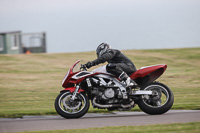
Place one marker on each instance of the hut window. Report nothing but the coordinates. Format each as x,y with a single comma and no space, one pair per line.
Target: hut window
14,38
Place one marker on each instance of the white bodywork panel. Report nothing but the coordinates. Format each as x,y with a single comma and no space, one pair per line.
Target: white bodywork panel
102,69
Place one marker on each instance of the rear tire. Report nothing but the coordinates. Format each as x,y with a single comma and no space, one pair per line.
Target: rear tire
71,109
155,104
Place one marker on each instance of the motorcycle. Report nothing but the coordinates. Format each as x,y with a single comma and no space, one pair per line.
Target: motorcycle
104,90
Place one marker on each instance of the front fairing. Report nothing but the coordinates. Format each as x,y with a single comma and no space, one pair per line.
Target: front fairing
68,81
74,77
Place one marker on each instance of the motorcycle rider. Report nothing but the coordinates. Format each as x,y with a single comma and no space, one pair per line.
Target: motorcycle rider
118,64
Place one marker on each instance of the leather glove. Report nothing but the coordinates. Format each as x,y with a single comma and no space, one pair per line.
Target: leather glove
89,64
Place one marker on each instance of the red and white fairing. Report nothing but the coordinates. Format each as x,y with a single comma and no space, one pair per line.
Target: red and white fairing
72,78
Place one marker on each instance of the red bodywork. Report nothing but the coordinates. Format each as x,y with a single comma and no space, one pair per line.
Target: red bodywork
152,71
68,81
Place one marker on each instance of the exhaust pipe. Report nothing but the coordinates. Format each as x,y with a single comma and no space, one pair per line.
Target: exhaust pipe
112,105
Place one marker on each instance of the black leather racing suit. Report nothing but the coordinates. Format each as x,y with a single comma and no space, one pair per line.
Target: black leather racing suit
117,62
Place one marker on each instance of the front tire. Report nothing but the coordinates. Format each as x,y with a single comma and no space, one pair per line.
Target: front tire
68,108
158,103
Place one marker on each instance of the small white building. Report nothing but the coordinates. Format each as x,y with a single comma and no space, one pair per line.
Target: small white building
16,42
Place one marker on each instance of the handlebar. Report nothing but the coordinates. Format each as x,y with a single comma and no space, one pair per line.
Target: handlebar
83,67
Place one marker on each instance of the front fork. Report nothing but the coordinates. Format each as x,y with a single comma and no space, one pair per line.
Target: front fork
75,92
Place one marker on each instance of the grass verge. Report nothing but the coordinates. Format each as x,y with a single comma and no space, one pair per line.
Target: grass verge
165,128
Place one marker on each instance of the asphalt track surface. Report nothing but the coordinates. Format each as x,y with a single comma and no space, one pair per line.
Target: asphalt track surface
90,120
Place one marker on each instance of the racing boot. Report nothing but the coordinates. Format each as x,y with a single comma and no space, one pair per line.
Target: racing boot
127,80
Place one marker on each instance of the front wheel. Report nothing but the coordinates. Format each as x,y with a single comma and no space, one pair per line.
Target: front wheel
68,108
159,102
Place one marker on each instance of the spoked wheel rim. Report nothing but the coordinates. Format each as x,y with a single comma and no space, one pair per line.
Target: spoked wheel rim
70,106
159,97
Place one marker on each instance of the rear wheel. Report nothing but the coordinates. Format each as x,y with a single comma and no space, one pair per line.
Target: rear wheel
159,102
68,108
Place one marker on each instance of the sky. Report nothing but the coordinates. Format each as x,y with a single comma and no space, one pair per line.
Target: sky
81,25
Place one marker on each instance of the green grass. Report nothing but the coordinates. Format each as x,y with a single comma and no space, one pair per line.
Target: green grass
165,128
30,83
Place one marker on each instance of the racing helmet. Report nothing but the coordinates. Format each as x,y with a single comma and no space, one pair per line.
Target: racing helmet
101,49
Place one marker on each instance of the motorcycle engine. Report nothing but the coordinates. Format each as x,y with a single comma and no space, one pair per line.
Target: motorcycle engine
108,94
105,95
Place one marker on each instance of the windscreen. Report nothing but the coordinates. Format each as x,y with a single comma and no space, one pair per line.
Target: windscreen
76,68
